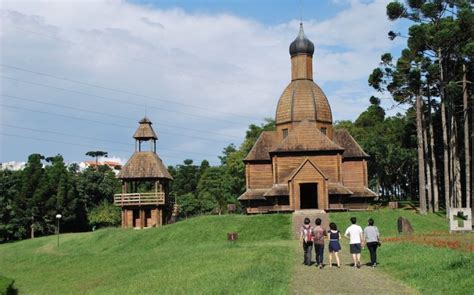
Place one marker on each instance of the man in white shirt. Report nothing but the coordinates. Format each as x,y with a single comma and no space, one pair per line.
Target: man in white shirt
356,239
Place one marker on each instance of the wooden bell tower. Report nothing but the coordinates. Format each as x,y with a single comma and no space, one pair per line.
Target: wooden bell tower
145,183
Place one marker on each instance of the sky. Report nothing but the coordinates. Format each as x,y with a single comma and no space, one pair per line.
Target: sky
77,76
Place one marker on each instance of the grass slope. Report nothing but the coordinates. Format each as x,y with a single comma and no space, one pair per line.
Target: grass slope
428,269
188,257
386,221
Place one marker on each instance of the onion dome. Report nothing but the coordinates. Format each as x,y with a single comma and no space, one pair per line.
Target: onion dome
301,45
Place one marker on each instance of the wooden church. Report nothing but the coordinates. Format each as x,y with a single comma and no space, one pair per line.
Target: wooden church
305,163
145,183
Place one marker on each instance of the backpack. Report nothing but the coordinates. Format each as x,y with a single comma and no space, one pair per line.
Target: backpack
319,235
307,234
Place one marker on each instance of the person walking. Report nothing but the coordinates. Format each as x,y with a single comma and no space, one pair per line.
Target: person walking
356,239
318,238
306,237
334,246
372,237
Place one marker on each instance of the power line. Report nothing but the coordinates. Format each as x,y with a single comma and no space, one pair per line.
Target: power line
118,100
72,143
145,62
106,123
120,90
99,139
112,115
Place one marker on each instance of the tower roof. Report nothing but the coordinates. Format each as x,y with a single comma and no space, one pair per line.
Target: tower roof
145,131
301,45
144,165
303,100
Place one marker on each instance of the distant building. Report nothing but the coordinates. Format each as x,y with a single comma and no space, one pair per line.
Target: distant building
13,166
305,163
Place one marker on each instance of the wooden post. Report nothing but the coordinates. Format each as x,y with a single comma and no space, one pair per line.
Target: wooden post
142,217
160,216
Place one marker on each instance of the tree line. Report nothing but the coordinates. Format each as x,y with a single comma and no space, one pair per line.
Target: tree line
31,198
423,155
434,75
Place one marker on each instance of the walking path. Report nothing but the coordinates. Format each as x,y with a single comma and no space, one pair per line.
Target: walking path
344,280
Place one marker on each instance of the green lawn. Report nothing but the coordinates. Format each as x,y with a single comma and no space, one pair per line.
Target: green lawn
428,269
192,256
386,221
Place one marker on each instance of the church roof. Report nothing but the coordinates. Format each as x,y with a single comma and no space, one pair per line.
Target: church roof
301,45
303,100
253,194
145,131
363,192
144,165
336,188
260,151
306,137
351,148
277,190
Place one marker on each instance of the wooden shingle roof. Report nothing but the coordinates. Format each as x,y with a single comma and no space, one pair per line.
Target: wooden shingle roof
253,194
306,137
351,148
144,165
145,131
303,100
260,151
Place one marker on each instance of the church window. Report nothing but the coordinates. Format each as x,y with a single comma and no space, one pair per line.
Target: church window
285,133
323,130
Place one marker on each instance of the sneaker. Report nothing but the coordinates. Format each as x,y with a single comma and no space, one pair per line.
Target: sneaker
320,266
358,264
374,265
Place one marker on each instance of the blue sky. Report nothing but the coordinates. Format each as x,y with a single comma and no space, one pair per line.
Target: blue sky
78,76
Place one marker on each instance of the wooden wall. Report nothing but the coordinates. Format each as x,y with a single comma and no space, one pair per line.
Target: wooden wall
354,173
327,163
260,175
308,174
302,67
148,216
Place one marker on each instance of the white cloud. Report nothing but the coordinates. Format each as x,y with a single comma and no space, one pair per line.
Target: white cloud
222,62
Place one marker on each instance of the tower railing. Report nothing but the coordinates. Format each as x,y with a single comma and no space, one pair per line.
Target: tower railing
139,199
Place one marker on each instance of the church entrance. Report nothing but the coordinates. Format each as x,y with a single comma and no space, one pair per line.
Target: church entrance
308,196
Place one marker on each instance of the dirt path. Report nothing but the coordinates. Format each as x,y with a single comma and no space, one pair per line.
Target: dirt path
344,280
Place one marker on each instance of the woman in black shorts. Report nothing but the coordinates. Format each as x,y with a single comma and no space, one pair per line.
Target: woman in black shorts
334,246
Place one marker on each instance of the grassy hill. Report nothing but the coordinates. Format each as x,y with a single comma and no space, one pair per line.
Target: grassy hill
192,256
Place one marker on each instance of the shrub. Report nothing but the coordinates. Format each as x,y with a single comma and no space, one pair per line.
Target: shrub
105,214
6,286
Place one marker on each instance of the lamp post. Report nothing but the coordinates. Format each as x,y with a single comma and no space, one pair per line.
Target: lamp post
58,217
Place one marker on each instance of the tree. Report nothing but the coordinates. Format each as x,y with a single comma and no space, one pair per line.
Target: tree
105,214
404,81
28,207
96,185
213,190
96,155
9,182
444,32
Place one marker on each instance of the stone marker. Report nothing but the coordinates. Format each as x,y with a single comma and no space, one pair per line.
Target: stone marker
404,226
460,219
